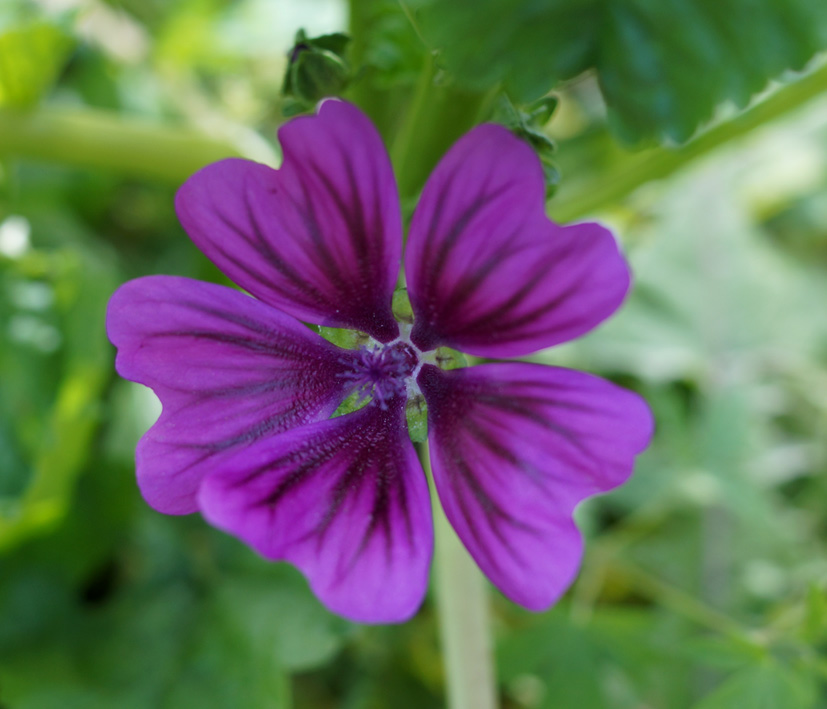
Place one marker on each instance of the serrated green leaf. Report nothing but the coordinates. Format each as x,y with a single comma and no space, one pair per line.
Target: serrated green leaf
663,65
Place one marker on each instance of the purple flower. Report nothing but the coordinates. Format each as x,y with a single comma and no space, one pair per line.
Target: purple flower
246,435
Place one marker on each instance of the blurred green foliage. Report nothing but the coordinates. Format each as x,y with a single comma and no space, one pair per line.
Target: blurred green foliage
30,56
705,577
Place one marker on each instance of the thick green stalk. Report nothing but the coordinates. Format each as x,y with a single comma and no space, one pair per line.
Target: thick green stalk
99,139
284,698
419,129
103,140
438,115
464,626
363,91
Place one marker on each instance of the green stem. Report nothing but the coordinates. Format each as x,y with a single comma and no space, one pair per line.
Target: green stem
682,603
438,115
631,170
98,139
364,14
421,128
404,146
285,689
462,609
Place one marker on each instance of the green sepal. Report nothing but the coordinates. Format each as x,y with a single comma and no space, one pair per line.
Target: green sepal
316,69
446,358
551,175
346,339
355,400
416,414
336,42
318,73
527,123
290,107
401,306
540,111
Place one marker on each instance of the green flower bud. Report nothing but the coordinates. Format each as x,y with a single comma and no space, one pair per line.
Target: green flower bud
317,73
316,68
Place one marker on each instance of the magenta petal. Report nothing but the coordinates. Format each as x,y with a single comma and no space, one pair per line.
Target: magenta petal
514,448
487,272
345,500
228,370
320,238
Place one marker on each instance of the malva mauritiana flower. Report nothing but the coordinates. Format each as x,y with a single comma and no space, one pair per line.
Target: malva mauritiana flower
247,434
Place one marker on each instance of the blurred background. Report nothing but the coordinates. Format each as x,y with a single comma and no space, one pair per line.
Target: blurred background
704,580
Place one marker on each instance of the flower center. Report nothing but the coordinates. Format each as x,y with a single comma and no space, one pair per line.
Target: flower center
384,372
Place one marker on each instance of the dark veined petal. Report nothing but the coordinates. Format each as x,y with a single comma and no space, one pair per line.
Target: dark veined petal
487,272
514,448
228,370
319,238
345,500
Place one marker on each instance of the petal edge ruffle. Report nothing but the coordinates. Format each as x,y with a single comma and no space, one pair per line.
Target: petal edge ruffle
346,501
228,370
514,448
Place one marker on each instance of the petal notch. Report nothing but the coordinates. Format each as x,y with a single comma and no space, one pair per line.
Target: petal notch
319,238
488,273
